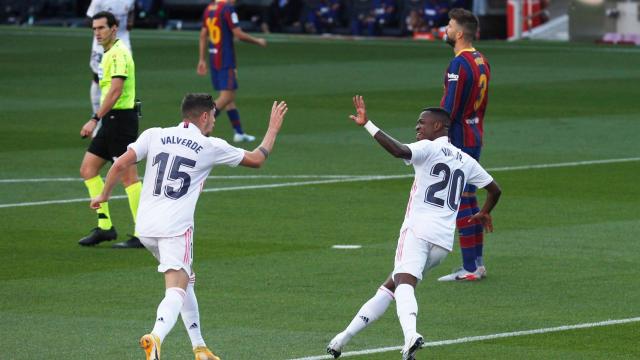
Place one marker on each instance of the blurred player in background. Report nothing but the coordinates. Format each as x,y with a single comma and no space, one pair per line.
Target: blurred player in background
123,10
119,127
179,159
427,233
466,92
219,27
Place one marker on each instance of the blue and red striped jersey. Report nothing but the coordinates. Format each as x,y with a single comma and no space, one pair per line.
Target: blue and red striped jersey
466,92
220,19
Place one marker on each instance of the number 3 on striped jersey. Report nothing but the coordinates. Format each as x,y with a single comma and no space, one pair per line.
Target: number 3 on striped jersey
214,30
482,84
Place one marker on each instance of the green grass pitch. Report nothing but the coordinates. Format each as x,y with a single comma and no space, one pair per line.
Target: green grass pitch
565,249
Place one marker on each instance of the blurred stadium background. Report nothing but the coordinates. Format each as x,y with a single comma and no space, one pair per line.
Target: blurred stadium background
612,21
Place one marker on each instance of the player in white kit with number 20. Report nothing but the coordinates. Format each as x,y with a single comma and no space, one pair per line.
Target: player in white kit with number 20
179,160
426,235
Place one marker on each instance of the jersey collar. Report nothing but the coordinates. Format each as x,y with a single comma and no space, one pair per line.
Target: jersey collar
188,125
444,138
463,50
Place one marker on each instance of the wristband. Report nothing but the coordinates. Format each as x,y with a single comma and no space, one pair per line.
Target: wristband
371,128
95,117
264,152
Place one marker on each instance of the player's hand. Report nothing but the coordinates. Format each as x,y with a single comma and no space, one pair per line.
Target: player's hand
88,128
278,110
97,201
484,219
361,112
262,42
202,68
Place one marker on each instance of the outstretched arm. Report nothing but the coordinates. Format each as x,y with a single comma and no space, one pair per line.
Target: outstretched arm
393,146
243,36
258,156
484,216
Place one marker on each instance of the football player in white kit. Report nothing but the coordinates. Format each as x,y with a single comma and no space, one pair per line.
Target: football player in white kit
179,160
123,11
426,235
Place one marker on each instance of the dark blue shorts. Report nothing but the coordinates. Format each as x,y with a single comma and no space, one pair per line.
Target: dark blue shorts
224,79
474,152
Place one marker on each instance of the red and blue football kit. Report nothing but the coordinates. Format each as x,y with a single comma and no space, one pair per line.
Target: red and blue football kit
219,19
466,88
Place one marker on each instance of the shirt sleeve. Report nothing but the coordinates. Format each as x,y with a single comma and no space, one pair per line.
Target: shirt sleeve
118,64
478,175
420,152
225,154
450,99
141,145
205,16
92,8
231,17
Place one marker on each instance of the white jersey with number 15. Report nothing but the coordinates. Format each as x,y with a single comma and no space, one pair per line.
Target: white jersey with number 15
179,160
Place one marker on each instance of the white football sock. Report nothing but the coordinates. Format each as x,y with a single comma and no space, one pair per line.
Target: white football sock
94,94
168,311
407,308
371,311
191,315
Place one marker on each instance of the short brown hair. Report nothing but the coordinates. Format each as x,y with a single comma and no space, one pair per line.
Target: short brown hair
194,104
111,19
467,20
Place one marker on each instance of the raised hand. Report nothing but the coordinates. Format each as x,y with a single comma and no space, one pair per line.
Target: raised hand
202,68
278,110
88,128
361,112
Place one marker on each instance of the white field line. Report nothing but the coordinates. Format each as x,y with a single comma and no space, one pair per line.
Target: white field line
481,338
339,179
71,179
364,176
230,188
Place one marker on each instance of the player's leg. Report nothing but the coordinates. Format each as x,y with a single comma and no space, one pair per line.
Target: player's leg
406,303
407,310
133,189
467,232
234,118
190,314
167,312
175,257
124,134
226,82
478,232
371,311
89,171
411,259
470,233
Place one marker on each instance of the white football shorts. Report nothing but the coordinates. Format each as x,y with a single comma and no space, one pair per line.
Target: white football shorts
173,253
416,256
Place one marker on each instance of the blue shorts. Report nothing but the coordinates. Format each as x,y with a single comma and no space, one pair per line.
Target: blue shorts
224,79
474,152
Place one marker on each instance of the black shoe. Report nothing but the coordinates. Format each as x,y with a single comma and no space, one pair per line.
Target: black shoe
132,243
97,235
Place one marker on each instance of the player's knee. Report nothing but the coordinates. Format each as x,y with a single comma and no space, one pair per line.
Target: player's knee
405,278
87,172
